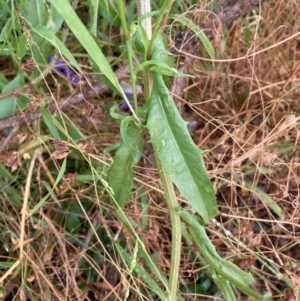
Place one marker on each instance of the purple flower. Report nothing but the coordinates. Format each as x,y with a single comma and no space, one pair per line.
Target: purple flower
61,67
78,80
124,106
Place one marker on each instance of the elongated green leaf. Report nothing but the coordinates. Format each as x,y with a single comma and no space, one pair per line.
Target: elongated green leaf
266,200
51,37
35,12
120,174
93,13
160,52
179,156
67,129
8,104
48,118
5,8
73,222
45,198
65,9
222,267
143,274
114,114
5,174
56,20
201,35
160,67
4,33
139,38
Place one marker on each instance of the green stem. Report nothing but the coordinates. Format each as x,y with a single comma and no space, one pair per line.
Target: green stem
132,74
164,9
176,229
143,7
129,54
123,19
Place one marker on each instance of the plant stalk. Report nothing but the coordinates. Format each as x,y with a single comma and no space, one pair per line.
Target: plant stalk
176,229
129,56
164,9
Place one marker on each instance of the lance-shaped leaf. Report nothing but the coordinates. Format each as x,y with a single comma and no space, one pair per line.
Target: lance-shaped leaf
179,156
224,269
120,174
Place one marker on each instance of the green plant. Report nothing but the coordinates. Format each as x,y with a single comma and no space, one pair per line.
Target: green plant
78,213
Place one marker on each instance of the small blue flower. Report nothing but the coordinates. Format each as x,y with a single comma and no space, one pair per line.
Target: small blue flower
78,80
124,106
61,67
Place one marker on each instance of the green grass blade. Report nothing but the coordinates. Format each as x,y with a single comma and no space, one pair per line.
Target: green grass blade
268,201
93,15
45,198
48,118
143,274
65,9
58,44
201,35
5,174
